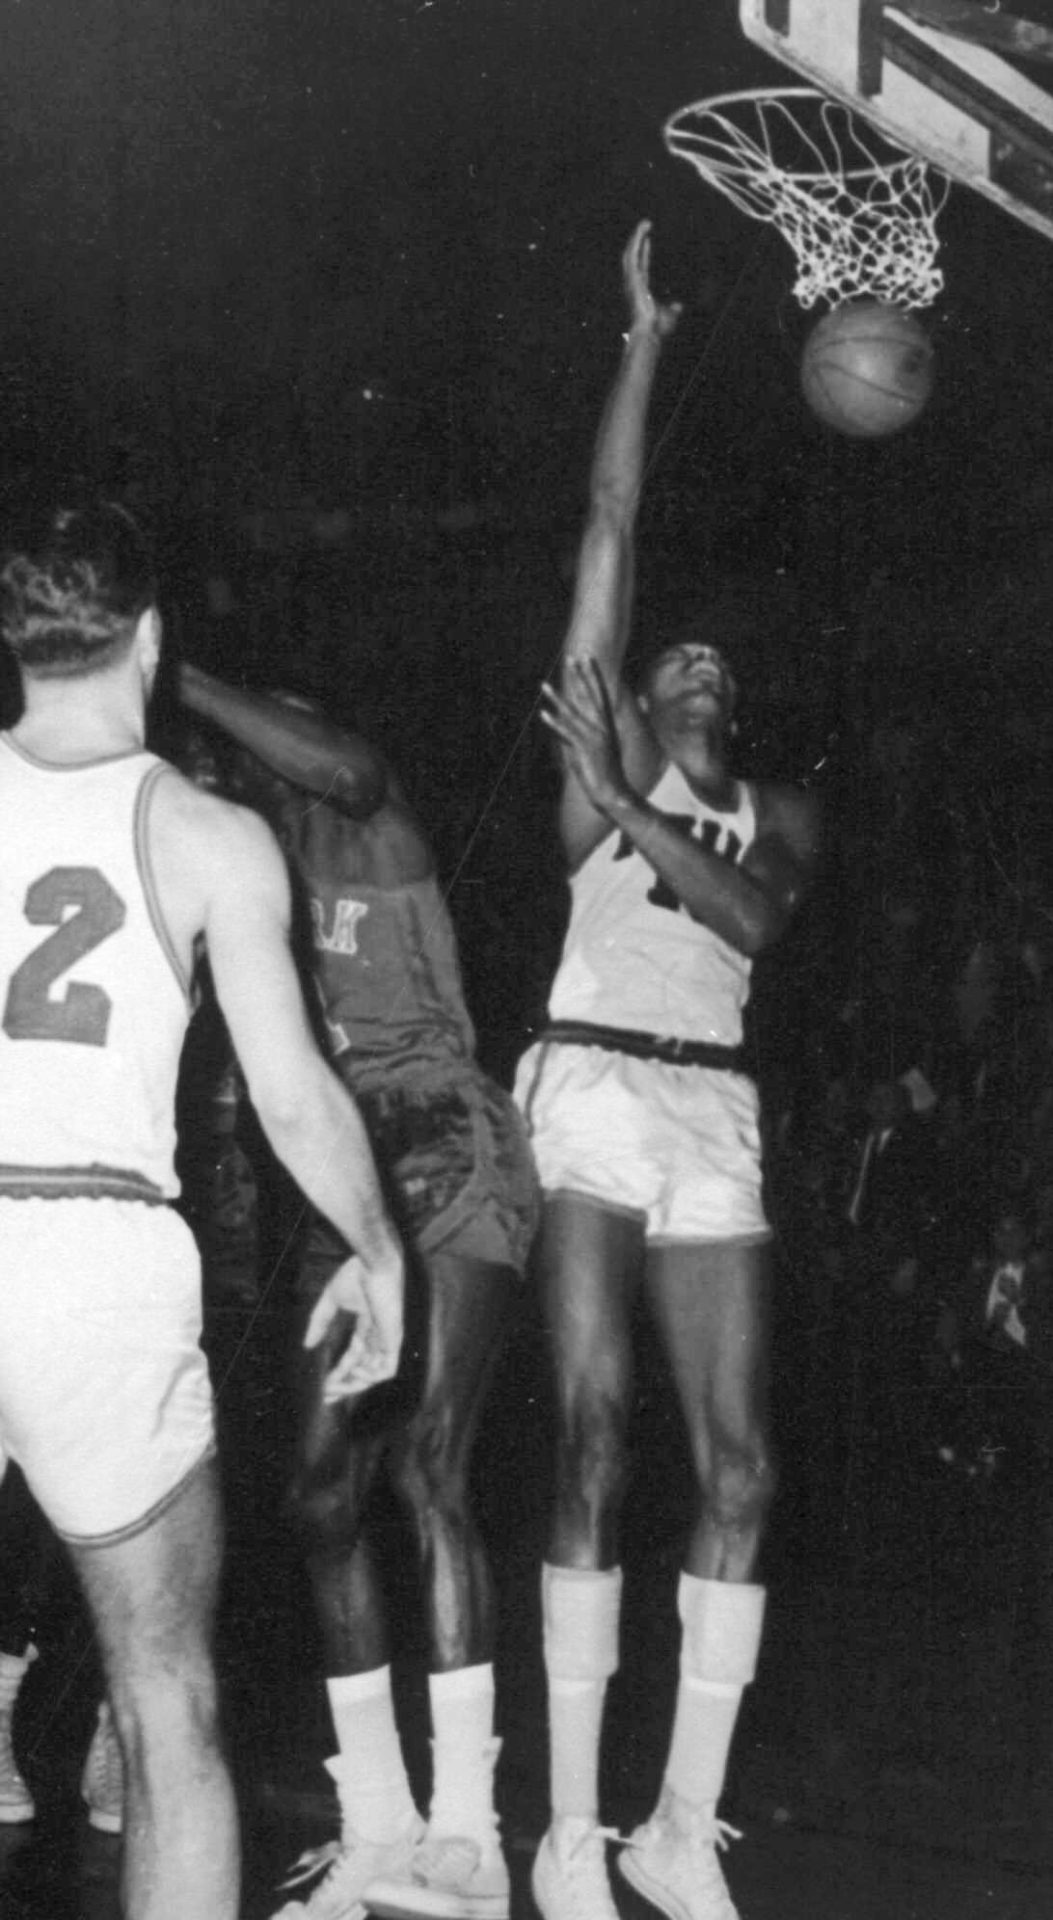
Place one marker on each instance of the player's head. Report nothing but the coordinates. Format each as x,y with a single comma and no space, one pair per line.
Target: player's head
78,592
687,682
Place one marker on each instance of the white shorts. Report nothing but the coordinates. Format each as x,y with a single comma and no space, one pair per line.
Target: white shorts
678,1146
105,1398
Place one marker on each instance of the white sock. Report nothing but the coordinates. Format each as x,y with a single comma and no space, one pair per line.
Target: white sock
581,1611
464,1751
718,1657
370,1773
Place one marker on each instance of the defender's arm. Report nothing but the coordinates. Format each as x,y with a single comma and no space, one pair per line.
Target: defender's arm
298,745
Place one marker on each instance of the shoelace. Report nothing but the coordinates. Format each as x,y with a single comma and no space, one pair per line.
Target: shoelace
597,1833
715,1833
721,1834
312,1862
586,1851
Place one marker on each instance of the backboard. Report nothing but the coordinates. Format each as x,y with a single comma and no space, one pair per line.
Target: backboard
959,84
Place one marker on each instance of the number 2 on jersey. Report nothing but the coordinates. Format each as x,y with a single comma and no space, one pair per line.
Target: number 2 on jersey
81,1014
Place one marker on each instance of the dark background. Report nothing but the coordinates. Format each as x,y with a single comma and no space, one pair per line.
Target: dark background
366,256
332,294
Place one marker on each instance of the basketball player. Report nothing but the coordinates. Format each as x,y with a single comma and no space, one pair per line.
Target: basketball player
114,868
463,1189
645,1129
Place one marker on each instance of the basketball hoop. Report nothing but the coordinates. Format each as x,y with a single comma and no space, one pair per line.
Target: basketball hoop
859,226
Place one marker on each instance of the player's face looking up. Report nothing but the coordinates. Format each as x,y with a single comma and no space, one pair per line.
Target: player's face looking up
691,676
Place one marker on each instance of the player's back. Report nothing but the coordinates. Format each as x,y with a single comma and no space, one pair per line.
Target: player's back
94,990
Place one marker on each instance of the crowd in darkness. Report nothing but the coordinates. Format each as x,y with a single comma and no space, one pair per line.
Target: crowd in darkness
911,1161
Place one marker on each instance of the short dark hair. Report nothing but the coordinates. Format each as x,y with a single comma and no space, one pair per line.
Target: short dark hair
710,624
74,582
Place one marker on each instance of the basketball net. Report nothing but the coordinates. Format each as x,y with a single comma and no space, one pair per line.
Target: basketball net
859,226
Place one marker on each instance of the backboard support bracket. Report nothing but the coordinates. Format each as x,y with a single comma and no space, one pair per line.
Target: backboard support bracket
939,94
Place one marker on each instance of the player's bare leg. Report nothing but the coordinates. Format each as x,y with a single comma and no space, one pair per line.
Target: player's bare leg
591,1261
711,1307
710,1304
341,1447
455,1866
459,1873
153,1601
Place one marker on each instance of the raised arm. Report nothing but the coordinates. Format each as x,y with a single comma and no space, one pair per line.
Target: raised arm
602,610
601,613
294,742
309,1118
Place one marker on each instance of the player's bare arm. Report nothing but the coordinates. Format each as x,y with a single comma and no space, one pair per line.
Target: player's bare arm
600,618
601,613
300,746
747,904
309,1118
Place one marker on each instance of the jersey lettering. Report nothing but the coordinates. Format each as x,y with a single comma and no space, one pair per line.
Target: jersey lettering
706,833
84,909
341,936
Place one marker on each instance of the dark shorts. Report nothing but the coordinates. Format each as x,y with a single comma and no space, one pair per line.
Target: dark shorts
458,1171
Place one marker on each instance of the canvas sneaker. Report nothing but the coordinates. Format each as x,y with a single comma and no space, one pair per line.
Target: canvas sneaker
569,1878
452,1878
342,1871
674,1863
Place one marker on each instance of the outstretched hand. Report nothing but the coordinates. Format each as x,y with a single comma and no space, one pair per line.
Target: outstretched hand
582,718
646,314
373,1297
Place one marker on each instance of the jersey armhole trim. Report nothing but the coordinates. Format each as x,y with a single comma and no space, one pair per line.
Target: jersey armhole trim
146,874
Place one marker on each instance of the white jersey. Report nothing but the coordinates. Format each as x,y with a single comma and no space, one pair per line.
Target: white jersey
633,956
94,1005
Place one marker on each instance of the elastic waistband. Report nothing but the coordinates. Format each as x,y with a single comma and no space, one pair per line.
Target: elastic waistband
78,1183
647,1046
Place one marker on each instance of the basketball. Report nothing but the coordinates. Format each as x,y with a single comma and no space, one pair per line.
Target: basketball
867,369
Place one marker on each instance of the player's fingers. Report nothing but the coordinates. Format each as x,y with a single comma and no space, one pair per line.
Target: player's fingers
348,1374
558,727
365,1364
589,689
566,715
323,1314
640,240
553,702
